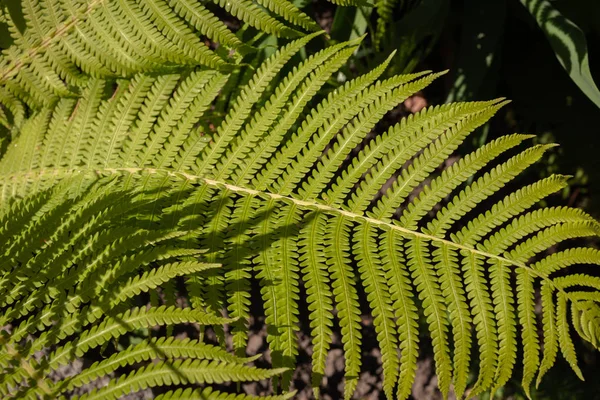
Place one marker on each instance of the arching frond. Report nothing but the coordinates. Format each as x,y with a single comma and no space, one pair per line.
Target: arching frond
273,194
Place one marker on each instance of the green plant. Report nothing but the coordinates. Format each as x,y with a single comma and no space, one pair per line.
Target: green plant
568,43
57,46
56,286
126,188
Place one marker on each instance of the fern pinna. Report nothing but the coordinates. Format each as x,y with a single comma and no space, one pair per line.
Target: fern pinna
273,196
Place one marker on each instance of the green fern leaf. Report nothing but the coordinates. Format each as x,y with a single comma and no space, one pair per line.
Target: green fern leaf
180,372
80,310
319,295
290,191
64,44
372,274
450,282
168,348
337,241
503,298
529,334
564,338
238,276
210,394
401,294
550,331
483,319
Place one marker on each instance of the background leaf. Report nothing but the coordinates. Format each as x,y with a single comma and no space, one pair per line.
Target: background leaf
569,44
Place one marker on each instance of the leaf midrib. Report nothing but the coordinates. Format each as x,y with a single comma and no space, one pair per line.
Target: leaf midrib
313,205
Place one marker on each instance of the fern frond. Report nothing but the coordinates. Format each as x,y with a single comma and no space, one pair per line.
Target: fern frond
69,324
252,14
563,282
110,328
102,38
323,112
454,176
515,203
249,95
285,252
132,319
352,135
191,99
585,316
290,190
374,99
327,61
156,277
290,13
529,223
213,285
206,22
552,236
483,188
238,276
268,273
